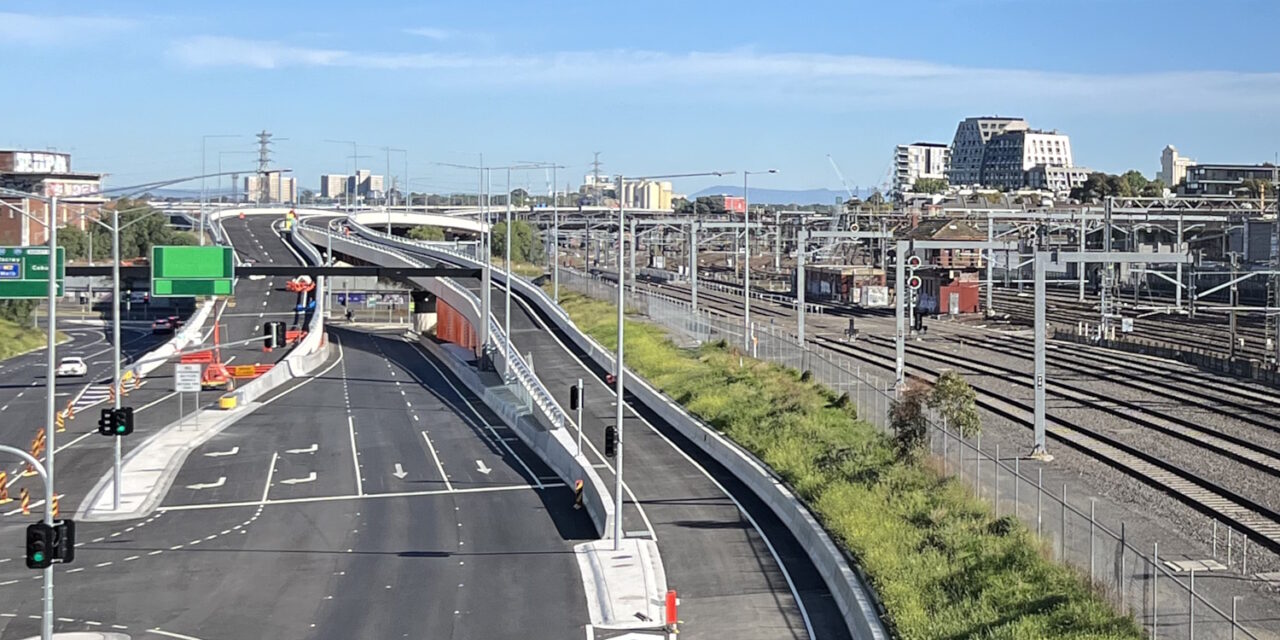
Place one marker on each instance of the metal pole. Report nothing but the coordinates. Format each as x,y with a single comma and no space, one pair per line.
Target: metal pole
802,244
1038,450
693,259
634,247
581,401
203,140
1177,289
1155,590
507,315
1083,266
746,264
555,240
51,389
777,241
617,479
991,231
115,342
485,236
1191,606
899,284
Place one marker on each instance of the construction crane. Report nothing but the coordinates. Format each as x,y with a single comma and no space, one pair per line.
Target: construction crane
841,176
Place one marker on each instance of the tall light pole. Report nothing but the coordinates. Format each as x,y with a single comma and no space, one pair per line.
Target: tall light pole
352,187
203,141
746,267
619,368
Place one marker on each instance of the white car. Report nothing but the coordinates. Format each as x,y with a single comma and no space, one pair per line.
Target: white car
72,366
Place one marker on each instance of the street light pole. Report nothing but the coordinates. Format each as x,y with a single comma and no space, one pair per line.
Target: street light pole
507,315
618,372
555,238
203,198
115,340
51,387
746,269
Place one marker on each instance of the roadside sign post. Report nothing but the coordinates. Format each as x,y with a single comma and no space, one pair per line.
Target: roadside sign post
192,271
186,379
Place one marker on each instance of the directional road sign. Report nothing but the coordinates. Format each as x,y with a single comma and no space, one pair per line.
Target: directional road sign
186,378
192,271
24,271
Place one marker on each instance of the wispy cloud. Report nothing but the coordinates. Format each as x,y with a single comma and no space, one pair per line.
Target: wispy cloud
49,30
431,33
751,75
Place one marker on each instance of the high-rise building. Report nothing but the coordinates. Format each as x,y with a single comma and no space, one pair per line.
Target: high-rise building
1225,179
919,160
1173,167
276,187
972,136
1008,157
333,186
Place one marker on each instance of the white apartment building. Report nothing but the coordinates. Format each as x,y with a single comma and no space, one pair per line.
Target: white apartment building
1058,179
1009,157
969,145
333,186
1173,167
918,160
270,187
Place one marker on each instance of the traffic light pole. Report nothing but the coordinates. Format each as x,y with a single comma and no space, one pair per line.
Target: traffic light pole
115,341
46,618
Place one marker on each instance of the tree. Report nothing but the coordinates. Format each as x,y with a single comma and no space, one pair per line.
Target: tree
307,197
1134,182
957,403
74,241
17,311
908,420
929,185
526,244
1257,188
1154,189
430,233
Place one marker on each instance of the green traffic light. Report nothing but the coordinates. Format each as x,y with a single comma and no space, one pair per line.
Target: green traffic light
120,428
38,556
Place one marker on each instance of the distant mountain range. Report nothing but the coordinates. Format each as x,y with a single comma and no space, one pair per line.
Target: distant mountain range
783,196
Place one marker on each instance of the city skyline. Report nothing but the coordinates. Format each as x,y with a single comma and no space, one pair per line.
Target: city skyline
712,90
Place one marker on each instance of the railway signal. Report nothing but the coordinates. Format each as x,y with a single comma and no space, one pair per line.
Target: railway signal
610,441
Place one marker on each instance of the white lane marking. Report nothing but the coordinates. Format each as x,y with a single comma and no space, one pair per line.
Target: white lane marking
355,460
479,420
399,472
171,634
310,478
271,471
480,466
311,449
448,485
208,485
219,454
350,496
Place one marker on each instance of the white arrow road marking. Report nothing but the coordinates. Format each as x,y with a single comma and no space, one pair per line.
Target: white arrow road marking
209,485
311,449
219,454
310,478
480,466
400,472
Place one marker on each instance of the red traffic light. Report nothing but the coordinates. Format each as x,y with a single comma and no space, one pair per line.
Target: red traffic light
914,282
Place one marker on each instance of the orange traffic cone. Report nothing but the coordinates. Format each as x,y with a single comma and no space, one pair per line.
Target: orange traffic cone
4,488
28,472
26,502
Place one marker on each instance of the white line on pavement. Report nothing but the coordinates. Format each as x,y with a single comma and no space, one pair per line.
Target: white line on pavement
271,470
367,496
448,485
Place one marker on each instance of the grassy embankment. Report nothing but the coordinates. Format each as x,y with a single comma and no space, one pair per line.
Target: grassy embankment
16,339
942,564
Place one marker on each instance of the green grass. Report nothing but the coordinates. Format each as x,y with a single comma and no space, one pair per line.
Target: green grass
521,268
16,339
943,565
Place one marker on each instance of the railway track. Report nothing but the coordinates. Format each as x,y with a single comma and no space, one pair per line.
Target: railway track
1260,522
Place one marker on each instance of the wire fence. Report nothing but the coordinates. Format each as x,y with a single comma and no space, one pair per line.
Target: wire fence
1160,595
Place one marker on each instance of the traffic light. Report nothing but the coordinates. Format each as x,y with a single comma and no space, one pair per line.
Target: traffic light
107,422
124,421
40,545
64,541
918,323
610,441
573,398
269,330
279,332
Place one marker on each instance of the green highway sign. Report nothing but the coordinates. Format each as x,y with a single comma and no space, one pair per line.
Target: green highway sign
24,271
192,271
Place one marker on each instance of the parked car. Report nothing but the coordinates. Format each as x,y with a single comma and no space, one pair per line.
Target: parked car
72,366
162,326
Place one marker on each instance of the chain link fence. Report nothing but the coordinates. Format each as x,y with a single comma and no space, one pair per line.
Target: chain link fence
1161,596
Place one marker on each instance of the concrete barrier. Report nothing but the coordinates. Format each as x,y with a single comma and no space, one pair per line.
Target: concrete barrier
852,594
189,334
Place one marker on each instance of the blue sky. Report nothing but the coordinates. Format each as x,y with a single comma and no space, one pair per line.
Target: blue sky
657,87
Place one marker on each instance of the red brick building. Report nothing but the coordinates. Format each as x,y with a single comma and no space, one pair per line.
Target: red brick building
48,174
